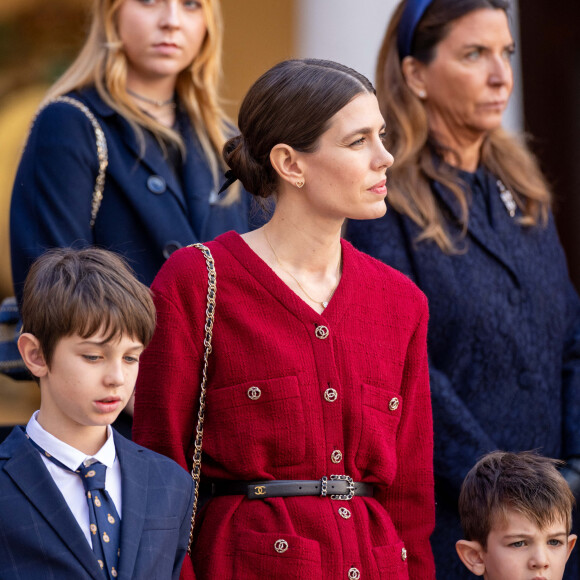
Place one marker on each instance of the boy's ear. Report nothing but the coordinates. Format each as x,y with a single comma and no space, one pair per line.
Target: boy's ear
571,543
471,554
31,354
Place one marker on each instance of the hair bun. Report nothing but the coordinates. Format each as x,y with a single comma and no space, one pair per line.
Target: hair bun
253,175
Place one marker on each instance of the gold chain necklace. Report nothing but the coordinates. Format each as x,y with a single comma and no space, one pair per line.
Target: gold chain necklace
324,303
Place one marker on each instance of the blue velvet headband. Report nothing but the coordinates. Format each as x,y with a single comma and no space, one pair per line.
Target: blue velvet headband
412,14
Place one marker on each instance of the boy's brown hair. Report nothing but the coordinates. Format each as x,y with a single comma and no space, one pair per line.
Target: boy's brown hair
523,482
70,291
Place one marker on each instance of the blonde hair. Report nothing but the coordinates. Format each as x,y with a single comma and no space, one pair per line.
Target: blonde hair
102,63
413,146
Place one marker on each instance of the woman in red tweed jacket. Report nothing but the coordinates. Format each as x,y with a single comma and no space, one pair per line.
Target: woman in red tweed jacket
319,365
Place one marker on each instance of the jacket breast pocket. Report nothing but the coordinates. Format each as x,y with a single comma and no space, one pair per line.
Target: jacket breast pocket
254,425
157,546
381,414
392,562
166,523
281,556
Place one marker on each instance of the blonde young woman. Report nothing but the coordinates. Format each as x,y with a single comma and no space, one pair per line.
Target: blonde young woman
470,223
148,73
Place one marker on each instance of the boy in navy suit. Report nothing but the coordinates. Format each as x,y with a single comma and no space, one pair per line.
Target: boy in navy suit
77,500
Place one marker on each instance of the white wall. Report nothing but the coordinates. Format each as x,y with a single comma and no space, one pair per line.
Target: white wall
514,116
351,32
348,31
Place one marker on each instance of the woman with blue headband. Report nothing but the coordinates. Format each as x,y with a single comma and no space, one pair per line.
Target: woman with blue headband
469,221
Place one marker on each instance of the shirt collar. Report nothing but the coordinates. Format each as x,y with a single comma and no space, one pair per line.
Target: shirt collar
67,454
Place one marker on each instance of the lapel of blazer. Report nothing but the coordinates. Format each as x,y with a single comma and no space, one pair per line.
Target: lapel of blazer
29,473
134,478
153,155
478,229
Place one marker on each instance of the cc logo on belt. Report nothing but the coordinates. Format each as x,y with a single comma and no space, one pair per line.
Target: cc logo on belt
260,490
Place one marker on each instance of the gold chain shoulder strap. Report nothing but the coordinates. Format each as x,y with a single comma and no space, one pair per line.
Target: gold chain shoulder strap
102,151
209,319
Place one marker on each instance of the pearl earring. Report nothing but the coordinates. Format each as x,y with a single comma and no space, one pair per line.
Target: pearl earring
422,94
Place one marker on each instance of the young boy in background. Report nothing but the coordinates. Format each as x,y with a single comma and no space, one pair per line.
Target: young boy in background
77,500
516,515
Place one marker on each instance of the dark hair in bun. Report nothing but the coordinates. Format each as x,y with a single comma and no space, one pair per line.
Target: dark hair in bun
292,103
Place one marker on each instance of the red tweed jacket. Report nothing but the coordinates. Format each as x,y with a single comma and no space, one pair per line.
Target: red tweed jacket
265,336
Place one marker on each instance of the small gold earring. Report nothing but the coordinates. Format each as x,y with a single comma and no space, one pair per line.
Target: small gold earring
300,184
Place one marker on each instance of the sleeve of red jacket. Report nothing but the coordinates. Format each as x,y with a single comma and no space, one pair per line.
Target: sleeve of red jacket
167,392
410,498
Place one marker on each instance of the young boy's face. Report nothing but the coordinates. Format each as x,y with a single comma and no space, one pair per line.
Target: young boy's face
88,383
518,550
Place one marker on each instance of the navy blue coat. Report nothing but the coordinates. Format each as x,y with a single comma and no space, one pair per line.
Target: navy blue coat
40,538
504,342
142,218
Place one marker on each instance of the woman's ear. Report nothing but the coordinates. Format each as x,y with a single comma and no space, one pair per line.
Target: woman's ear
413,73
31,353
287,163
471,554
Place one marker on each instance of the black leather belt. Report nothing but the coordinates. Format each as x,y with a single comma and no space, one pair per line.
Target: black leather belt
338,487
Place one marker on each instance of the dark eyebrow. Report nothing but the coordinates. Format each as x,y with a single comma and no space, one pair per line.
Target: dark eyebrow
511,45
94,342
104,343
527,536
363,131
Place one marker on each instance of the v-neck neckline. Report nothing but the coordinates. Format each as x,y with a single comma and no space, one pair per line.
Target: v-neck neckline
259,269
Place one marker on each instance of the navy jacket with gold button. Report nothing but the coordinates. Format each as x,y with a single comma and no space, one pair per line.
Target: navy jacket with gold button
147,211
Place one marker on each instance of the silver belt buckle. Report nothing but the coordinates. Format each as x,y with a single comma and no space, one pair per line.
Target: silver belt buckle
349,487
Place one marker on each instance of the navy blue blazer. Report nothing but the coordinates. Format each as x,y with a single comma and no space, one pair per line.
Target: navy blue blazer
503,342
40,538
146,212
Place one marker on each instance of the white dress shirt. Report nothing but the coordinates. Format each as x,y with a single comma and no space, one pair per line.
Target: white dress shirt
69,483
